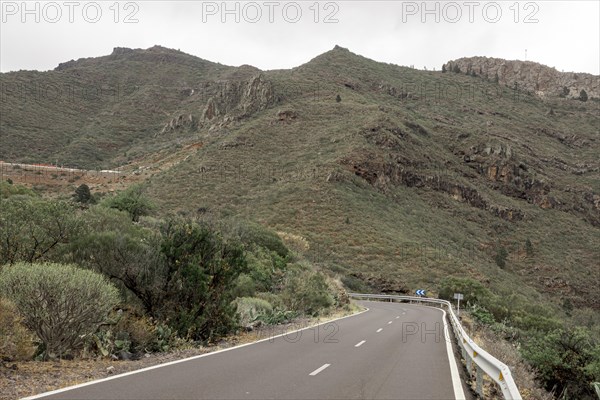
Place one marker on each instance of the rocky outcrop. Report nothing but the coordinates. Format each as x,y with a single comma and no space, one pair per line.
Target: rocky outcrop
222,103
530,76
381,175
188,122
234,100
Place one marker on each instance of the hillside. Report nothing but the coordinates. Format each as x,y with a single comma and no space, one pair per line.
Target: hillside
410,177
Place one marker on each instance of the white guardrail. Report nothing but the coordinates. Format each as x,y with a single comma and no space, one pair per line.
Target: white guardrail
471,352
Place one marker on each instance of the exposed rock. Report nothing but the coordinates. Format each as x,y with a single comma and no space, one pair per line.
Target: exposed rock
182,121
383,174
231,101
530,76
119,51
286,116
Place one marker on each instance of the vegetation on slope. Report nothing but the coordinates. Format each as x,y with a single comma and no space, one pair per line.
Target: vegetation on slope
179,278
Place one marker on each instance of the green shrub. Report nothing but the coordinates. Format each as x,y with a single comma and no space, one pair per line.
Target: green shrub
473,291
250,309
253,234
355,284
273,299
306,291
33,230
482,315
132,200
500,257
264,267
200,268
567,361
60,303
83,195
244,286
8,189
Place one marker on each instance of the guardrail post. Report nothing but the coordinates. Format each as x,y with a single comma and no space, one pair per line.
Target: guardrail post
479,382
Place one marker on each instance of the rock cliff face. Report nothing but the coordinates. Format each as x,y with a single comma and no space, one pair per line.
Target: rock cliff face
532,77
221,103
239,99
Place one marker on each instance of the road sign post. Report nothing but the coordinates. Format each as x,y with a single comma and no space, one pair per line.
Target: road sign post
420,292
458,297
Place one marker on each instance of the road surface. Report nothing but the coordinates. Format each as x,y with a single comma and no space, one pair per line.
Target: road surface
391,351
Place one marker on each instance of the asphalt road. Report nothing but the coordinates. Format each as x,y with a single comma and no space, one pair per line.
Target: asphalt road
391,351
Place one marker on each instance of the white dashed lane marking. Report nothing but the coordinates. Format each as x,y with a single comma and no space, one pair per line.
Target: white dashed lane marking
316,371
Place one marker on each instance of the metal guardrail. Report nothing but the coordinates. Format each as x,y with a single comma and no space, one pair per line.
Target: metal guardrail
596,386
471,352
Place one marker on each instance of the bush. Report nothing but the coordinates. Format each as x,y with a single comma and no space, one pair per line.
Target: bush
244,286
83,194
500,257
473,291
306,291
60,303
132,200
8,189
566,361
252,235
482,315
33,230
583,96
250,309
200,270
16,342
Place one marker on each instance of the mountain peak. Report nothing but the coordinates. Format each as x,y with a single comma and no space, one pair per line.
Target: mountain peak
340,48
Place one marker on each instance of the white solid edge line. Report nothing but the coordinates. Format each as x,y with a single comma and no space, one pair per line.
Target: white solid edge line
321,368
360,343
459,394
137,371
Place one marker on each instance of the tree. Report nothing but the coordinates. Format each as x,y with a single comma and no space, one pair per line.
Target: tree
443,68
496,78
132,200
338,98
130,257
200,270
583,96
500,257
61,303
456,69
83,194
528,247
33,229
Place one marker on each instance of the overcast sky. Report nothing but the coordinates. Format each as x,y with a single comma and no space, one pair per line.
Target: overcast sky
274,34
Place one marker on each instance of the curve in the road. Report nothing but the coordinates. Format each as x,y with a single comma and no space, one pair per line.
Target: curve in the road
388,351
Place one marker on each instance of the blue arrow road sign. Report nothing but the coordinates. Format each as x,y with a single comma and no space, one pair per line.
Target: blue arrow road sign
420,292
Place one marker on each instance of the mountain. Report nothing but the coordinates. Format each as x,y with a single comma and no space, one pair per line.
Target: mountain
391,177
